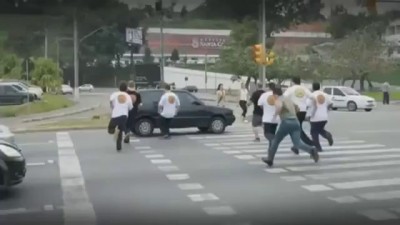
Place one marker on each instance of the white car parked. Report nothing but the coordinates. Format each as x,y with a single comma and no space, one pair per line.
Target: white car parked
345,97
66,89
86,87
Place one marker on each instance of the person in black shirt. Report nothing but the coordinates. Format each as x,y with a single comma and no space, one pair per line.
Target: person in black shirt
257,112
137,101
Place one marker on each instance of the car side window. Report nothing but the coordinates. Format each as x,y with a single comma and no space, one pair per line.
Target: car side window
328,91
337,92
18,87
185,98
150,96
9,90
2,90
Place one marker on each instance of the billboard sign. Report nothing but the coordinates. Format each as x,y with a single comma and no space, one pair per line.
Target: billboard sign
134,36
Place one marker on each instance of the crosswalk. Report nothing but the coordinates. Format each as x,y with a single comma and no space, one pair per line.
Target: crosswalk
352,171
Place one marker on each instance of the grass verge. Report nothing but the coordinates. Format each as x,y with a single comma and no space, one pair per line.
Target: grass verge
94,122
47,104
394,96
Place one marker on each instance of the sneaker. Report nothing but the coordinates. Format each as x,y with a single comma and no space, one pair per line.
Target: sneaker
257,139
267,161
116,132
295,150
330,139
127,139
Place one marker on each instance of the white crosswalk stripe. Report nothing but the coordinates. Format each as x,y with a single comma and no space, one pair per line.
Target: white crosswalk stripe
349,172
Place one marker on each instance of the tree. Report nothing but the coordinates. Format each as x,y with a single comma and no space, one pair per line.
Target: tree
46,74
175,55
10,66
148,58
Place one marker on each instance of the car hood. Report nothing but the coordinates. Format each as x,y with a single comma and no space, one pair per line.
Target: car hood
219,109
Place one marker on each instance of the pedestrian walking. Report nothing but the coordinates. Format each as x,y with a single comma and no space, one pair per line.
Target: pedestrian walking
221,95
168,107
270,121
256,121
243,96
319,104
298,95
137,101
121,104
385,92
287,110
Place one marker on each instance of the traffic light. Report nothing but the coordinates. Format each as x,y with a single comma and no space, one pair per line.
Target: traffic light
259,54
269,60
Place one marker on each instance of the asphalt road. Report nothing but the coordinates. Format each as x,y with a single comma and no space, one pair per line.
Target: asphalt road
211,179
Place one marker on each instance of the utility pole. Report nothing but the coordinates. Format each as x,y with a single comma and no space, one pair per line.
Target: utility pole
46,43
76,58
162,45
263,41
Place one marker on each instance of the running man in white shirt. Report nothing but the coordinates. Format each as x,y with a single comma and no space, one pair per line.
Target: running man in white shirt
320,104
244,95
168,107
121,104
267,102
298,95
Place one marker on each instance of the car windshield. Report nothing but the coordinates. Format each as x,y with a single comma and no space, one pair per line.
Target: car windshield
350,91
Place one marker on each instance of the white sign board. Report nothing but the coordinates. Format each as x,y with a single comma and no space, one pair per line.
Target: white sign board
134,36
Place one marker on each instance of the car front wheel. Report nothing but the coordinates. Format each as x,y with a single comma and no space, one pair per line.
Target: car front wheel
217,125
144,127
352,106
367,110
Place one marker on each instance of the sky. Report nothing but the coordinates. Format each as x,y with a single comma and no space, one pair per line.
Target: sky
349,4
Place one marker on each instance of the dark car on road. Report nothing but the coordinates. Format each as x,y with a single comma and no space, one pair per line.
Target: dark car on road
191,88
12,164
192,113
9,95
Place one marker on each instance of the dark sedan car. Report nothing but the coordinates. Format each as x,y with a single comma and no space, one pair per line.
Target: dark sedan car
193,113
191,88
12,164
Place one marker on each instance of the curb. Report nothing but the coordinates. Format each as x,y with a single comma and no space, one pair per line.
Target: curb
61,114
52,129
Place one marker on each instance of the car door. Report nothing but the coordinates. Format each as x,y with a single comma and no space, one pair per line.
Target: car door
338,98
189,112
12,95
4,99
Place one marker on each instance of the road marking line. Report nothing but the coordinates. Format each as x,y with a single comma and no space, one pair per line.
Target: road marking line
245,157
142,147
293,178
148,152
317,188
344,166
378,196
366,183
134,140
347,174
212,144
287,143
255,151
221,148
232,152
6,212
275,170
256,163
219,211
190,186
36,164
203,197
344,199
77,206
154,156
161,161
50,161
36,143
286,148
378,214
375,131
168,168
182,176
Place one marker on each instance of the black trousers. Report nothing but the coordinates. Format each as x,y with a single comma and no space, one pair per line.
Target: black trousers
269,132
318,128
386,98
165,124
130,123
119,122
301,116
243,105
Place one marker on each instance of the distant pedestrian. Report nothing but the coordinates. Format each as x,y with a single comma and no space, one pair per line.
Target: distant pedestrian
221,95
121,104
385,91
243,97
137,101
298,95
270,121
257,112
319,104
168,107
287,110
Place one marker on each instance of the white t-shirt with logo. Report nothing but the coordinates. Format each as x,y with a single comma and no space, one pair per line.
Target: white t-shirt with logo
267,102
243,94
322,102
169,103
122,104
299,95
